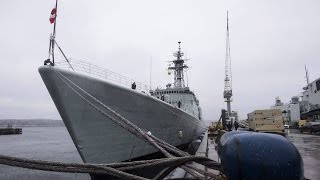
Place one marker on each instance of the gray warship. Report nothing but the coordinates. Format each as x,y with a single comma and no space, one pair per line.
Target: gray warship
171,114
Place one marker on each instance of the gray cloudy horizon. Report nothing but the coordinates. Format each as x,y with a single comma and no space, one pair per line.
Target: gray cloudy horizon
271,42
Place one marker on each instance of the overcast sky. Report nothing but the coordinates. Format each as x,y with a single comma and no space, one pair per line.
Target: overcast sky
271,41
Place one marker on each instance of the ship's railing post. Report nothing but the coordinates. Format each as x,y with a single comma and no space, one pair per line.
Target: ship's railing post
103,73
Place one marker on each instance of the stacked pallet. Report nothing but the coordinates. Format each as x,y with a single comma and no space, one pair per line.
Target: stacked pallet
269,120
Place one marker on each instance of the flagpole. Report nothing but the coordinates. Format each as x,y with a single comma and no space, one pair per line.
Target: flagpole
54,32
50,41
55,21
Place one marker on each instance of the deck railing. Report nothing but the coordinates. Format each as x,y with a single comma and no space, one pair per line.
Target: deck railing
94,70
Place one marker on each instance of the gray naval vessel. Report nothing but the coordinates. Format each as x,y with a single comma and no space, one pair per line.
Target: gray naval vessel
172,114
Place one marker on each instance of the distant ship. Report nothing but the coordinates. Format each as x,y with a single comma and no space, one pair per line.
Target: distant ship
172,114
310,100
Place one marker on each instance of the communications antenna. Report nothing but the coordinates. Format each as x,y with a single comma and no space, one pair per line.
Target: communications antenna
307,74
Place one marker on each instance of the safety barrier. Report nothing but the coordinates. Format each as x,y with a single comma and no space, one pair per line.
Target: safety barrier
94,70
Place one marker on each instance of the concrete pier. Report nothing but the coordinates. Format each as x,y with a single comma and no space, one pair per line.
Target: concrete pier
309,147
9,131
206,149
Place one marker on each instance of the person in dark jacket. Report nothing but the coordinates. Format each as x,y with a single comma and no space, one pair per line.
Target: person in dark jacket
236,125
133,85
229,126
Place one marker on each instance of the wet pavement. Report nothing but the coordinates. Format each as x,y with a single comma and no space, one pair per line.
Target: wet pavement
309,148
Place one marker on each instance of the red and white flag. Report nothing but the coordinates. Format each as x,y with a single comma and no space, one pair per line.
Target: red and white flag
53,15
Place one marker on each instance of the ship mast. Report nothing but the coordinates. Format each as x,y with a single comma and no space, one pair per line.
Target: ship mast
178,68
227,93
53,42
53,36
307,74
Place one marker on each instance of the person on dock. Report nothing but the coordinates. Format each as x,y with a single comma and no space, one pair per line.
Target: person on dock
236,125
133,85
229,126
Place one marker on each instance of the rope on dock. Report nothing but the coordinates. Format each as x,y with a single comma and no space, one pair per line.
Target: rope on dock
114,169
117,169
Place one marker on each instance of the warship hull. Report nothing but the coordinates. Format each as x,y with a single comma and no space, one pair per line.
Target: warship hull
100,140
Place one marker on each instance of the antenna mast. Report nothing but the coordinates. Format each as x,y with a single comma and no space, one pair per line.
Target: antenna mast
178,68
54,32
53,42
150,88
307,74
53,19
227,93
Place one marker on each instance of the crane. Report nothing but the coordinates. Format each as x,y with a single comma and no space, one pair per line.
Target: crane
227,93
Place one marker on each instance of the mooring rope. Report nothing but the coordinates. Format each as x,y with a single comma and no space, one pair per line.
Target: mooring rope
117,169
138,131
138,134
125,123
121,165
123,119
65,167
162,143
146,136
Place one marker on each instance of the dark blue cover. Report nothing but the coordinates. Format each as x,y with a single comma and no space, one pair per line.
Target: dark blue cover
249,155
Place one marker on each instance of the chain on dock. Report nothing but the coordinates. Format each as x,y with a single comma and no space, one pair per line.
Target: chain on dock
174,156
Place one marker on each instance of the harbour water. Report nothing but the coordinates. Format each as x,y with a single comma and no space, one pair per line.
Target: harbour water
55,144
44,143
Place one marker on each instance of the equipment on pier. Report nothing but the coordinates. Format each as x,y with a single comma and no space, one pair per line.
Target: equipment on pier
268,120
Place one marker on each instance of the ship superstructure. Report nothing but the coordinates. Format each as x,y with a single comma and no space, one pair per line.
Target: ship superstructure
179,95
310,99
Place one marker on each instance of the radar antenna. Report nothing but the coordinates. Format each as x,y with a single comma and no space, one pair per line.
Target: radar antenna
178,68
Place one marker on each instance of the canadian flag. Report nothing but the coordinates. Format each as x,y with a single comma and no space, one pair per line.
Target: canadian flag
53,15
